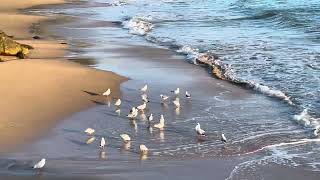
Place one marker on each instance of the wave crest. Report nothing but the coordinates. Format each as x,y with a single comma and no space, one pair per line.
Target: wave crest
307,120
138,25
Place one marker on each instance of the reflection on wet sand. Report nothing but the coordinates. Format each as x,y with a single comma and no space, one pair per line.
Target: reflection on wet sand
134,125
90,140
103,154
126,145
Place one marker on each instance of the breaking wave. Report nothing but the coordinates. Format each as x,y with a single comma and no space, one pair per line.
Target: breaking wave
142,26
305,119
138,25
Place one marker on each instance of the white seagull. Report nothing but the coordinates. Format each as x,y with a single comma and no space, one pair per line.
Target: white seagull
125,137
102,143
176,103
118,103
316,132
142,106
144,98
150,117
133,113
223,138
89,131
144,88
160,125
188,95
164,97
199,130
40,164
143,149
176,92
107,93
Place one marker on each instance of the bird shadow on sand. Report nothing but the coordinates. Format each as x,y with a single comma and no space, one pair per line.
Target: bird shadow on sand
98,102
91,93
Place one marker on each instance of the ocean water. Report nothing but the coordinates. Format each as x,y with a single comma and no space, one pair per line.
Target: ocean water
272,43
272,46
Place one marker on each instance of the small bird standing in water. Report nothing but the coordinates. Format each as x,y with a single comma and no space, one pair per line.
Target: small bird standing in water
142,106
102,143
188,95
200,131
107,93
89,131
160,125
144,88
164,98
118,103
150,117
40,164
316,131
176,92
223,138
144,98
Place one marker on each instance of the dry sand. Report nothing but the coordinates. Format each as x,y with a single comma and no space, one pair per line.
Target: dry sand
39,91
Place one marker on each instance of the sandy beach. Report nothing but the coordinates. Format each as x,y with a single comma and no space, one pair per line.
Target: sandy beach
44,88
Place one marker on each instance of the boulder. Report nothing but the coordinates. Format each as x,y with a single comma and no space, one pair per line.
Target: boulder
9,47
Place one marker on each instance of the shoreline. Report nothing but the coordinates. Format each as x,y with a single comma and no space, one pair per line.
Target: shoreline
45,88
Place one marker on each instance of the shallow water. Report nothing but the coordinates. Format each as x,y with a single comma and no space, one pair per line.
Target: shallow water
262,132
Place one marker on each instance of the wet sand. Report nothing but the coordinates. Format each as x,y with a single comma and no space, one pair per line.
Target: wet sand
40,91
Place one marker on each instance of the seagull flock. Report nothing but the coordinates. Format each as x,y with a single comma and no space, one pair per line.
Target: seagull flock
134,112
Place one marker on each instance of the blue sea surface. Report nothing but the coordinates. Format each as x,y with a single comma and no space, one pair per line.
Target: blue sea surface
275,43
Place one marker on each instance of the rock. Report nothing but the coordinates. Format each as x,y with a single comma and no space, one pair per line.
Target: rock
218,72
9,47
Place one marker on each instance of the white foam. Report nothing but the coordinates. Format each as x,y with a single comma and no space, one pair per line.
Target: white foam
272,146
270,92
139,25
119,3
306,120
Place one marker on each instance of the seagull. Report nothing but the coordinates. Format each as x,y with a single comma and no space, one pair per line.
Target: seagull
142,106
176,92
223,138
176,103
89,131
102,143
40,164
133,113
144,88
118,103
150,117
316,132
200,131
164,97
188,95
144,98
107,93
125,137
160,125
143,149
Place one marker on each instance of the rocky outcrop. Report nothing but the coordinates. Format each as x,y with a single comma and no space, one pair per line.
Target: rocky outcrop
218,69
212,61
9,47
